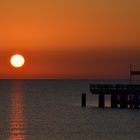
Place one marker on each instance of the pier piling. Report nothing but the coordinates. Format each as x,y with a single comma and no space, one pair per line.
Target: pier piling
101,100
123,101
83,100
113,101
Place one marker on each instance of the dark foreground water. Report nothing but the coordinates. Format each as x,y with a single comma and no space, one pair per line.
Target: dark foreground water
50,110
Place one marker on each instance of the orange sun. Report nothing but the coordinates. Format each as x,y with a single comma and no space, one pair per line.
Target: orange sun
17,60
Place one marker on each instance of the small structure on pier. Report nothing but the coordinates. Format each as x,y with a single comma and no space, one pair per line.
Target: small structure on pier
133,72
122,95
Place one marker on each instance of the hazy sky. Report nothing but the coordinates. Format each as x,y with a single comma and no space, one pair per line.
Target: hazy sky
70,38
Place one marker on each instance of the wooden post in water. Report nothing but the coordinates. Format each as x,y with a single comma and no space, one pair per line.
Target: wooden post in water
130,101
136,101
123,101
101,100
114,101
83,100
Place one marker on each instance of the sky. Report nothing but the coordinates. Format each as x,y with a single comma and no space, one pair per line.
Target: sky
70,38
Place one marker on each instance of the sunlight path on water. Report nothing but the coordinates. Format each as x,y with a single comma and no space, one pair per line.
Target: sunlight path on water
17,118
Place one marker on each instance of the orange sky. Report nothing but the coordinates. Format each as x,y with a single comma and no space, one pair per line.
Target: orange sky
70,39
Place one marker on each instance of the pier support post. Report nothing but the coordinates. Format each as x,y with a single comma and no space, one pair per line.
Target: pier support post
123,101
83,100
136,106
114,101
101,100
131,105
136,101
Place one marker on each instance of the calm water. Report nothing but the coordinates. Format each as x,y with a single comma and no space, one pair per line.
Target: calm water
50,110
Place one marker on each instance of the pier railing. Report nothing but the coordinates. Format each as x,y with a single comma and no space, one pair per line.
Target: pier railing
110,89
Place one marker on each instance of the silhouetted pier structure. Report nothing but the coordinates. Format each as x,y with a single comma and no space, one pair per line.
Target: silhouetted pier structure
122,95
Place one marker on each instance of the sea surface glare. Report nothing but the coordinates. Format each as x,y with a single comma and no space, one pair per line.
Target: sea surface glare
51,110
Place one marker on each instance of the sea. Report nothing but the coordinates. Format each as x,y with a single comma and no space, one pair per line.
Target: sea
51,110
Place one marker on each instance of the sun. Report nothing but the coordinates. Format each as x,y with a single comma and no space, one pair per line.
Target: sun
17,60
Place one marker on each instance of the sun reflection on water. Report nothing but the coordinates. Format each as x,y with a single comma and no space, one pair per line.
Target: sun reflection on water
17,118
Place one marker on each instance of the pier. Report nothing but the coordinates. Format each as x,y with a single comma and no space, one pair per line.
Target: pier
122,95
